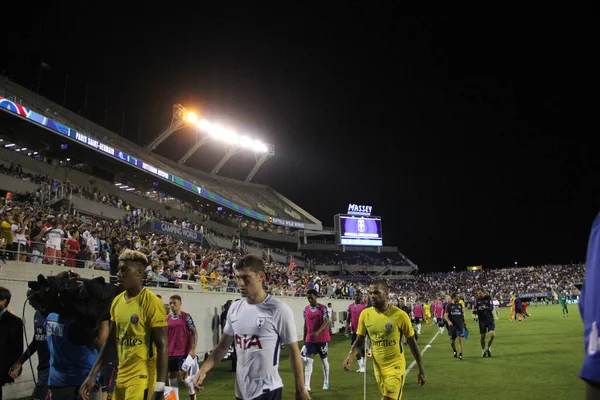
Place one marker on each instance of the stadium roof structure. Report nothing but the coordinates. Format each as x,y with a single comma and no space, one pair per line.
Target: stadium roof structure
250,199
214,132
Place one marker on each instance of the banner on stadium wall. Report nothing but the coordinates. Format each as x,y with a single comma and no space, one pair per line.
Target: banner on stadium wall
539,294
174,230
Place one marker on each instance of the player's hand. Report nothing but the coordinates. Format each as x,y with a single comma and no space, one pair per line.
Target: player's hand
303,395
86,388
192,353
158,396
199,378
450,323
14,371
314,335
421,378
348,363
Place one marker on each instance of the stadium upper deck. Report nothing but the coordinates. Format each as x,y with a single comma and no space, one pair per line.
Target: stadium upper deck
251,199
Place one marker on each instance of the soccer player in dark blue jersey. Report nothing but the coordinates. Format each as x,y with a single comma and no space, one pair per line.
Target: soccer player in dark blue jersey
484,307
589,306
455,317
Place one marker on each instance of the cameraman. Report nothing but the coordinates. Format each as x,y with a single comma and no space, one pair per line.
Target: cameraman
11,338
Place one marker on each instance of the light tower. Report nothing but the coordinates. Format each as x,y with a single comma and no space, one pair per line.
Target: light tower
181,118
212,131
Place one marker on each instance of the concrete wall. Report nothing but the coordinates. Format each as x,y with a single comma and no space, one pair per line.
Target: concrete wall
204,307
16,185
102,210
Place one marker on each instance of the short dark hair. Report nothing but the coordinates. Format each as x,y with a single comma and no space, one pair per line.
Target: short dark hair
312,291
252,262
5,295
382,284
176,297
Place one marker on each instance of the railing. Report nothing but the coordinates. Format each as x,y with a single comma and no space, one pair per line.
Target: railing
52,195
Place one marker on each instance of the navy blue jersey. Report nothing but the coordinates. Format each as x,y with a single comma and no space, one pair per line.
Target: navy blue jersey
484,307
455,313
589,305
518,304
41,345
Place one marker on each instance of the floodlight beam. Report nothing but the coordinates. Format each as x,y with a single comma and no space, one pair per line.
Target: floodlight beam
259,162
232,151
199,143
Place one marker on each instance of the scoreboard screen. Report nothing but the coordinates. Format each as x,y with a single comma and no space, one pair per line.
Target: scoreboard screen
358,231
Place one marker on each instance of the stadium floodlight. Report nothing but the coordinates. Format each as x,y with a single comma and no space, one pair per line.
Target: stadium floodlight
9,145
181,118
217,132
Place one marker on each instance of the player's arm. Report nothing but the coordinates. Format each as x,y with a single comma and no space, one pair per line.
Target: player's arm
297,367
447,318
194,332
16,367
103,331
414,349
107,352
407,330
160,339
359,343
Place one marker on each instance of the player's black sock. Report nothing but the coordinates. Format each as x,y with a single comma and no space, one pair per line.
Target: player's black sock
453,348
490,341
483,343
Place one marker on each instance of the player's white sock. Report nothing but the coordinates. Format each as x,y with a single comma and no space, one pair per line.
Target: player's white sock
325,363
308,368
189,384
361,362
173,382
418,329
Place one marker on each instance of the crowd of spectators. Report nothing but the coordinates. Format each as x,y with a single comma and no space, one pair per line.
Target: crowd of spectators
355,258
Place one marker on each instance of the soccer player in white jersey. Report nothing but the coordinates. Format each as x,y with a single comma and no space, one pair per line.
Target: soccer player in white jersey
259,324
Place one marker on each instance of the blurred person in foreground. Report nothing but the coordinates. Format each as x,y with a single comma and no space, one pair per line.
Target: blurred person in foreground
138,335
38,345
258,324
589,305
386,325
11,338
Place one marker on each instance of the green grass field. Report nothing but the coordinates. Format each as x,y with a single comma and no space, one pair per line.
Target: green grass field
536,359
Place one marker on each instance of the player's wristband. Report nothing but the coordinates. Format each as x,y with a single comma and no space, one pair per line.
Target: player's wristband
160,387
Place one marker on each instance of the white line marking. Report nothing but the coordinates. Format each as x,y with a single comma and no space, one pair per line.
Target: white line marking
412,365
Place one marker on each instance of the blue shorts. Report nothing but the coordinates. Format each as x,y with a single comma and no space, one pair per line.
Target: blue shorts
486,326
456,331
317,348
352,338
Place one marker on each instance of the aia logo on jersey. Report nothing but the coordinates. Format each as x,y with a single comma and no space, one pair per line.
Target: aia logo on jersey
134,319
388,327
245,342
260,321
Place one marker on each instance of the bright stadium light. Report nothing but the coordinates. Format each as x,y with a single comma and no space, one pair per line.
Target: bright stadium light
204,125
9,145
191,117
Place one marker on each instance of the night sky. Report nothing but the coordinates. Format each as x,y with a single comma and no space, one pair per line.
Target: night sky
465,133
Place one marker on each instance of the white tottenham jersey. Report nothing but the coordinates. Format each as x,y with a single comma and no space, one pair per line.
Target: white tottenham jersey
259,330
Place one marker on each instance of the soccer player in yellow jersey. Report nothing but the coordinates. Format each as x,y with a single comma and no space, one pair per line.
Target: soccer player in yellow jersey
387,326
138,335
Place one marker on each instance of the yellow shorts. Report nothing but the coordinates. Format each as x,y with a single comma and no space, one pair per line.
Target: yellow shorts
140,390
390,382
133,392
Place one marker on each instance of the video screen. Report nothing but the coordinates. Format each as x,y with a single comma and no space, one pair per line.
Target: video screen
360,231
